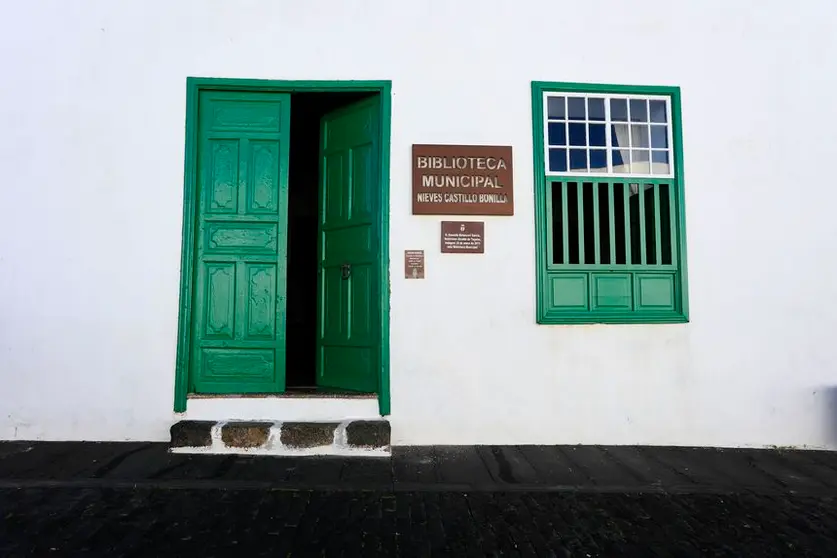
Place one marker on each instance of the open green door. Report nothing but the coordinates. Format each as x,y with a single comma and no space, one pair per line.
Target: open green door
348,323
238,332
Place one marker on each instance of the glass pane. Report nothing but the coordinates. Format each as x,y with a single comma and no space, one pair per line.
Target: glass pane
619,135
557,133
595,110
660,162
639,110
658,111
639,162
597,135
621,163
598,160
558,160
575,108
578,160
619,110
578,134
659,136
639,135
555,107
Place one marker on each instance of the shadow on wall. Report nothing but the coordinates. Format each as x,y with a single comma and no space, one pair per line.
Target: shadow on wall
831,415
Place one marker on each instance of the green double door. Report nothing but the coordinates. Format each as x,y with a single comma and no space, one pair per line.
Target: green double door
240,275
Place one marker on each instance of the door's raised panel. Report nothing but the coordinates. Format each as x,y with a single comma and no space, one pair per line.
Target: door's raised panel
655,291
334,190
333,303
263,177
612,291
347,129
360,306
357,363
570,292
241,238
246,116
222,193
220,300
348,244
261,301
363,181
238,364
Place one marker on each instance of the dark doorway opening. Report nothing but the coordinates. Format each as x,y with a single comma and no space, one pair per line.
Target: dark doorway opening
304,185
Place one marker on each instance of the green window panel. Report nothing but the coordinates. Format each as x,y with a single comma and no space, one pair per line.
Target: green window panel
610,227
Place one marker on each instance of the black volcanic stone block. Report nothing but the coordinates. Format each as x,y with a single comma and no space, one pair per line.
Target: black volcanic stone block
308,434
368,433
245,434
191,433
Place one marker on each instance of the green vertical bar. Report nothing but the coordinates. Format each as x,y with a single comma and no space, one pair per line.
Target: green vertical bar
658,227
566,227
641,193
596,235
550,223
580,188
612,220
672,222
626,193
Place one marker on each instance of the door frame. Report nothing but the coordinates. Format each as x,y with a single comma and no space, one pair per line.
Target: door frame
194,85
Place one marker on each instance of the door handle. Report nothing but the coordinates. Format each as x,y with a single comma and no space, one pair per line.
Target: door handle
345,271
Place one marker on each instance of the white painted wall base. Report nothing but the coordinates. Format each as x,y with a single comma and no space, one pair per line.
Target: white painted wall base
285,409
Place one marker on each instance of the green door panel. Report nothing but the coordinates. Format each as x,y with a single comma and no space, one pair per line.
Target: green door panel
348,332
238,332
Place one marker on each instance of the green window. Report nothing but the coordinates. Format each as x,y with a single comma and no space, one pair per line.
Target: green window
609,204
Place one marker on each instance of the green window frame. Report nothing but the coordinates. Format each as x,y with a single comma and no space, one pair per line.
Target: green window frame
609,204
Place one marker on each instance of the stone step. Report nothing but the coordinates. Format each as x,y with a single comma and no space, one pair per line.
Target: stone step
307,408
351,437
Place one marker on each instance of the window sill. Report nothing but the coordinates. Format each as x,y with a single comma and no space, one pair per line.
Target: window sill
590,318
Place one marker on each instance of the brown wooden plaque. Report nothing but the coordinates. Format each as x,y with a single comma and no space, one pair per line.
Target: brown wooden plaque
462,180
414,264
463,237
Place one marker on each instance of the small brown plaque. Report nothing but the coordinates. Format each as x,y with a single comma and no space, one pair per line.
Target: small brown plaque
414,264
462,180
463,237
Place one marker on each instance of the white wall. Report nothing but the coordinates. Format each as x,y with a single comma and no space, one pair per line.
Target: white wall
91,144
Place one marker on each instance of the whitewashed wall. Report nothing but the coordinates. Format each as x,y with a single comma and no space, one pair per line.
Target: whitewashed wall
91,144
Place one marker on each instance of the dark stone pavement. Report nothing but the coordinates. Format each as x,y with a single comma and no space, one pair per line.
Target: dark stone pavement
131,499
622,469
155,522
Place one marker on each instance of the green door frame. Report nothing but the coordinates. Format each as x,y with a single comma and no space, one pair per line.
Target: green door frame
194,85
